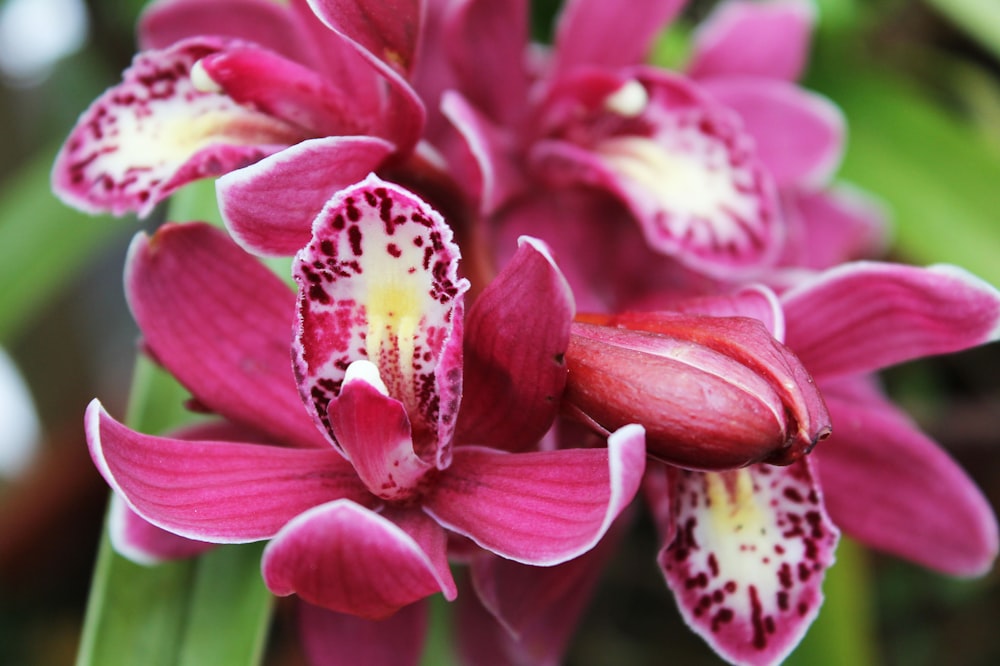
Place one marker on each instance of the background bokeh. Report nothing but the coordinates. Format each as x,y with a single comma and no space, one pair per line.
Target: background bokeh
919,82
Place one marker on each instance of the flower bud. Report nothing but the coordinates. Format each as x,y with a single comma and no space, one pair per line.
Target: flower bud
712,392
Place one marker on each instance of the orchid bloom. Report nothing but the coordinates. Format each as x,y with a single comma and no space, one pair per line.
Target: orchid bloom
704,161
222,85
368,462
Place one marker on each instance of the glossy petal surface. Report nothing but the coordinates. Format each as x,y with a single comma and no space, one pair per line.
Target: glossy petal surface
156,131
144,543
748,558
516,336
907,313
224,492
269,206
222,324
379,282
539,508
345,558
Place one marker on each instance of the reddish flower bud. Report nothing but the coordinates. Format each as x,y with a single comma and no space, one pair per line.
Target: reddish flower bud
712,392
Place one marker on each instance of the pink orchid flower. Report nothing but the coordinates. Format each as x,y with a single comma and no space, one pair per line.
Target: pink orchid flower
745,550
704,162
361,476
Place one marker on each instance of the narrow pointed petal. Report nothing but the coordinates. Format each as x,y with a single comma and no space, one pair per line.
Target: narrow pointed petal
499,177
539,508
906,313
389,31
269,207
748,558
263,22
345,558
494,79
834,226
517,334
284,89
374,432
222,324
769,39
157,131
594,32
338,639
223,492
379,281
144,543
888,485
799,135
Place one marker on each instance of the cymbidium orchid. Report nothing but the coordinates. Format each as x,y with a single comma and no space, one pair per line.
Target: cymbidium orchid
354,473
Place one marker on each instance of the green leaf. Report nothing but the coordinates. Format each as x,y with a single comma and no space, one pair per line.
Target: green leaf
43,244
980,19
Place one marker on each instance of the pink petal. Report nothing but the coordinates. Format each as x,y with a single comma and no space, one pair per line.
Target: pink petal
499,177
755,302
224,492
345,558
494,79
222,324
540,607
379,281
799,135
389,31
337,639
156,131
144,543
263,22
517,334
539,508
888,485
864,316
834,226
374,432
269,206
769,39
748,558
386,36
683,166
284,89
596,32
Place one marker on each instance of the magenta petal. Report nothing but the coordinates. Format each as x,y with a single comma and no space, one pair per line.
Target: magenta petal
888,485
144,543
596,32
517,334
799,135
755,301
269,206
499,177
906,313
748,558
262,22
345,558
834,226
337,639
494,79
769,39
224,492
390,31
374,431
222,324
379,281
156,131
539,508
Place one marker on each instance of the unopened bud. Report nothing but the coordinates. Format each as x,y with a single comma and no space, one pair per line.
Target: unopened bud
712,392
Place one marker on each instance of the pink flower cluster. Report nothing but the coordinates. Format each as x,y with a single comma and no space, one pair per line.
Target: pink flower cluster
530,281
